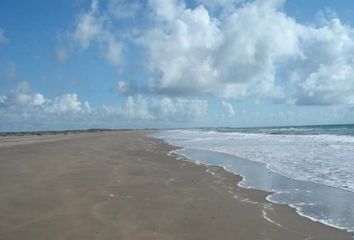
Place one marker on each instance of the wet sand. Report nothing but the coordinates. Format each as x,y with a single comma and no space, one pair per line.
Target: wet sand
123,185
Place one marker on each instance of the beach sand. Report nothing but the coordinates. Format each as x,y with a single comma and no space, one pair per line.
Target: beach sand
124,185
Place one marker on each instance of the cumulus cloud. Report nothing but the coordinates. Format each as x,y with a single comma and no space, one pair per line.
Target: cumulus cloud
24,107
25,99
68,103
136,108
22,97
254,51
181,52
3,38
229,48
192,51
155,108
325,71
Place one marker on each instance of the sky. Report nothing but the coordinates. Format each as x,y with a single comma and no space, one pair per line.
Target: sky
78,64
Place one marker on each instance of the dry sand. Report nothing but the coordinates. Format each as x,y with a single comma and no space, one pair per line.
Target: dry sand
123,185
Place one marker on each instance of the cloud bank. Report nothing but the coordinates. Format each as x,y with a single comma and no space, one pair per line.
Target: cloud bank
24,109
229,49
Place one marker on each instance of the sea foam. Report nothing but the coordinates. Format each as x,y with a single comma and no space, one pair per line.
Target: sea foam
312,173
324,159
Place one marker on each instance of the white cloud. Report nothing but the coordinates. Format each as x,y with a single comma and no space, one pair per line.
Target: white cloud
324,73
181,48
24,107
165,108
136,108
228,109
38,100
242,50
89,26
3,38
181,108
22,97
254,51
94,27
192,52
68,103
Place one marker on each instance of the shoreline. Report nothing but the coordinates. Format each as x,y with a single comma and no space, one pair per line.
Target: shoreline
268,193
316,201
125,185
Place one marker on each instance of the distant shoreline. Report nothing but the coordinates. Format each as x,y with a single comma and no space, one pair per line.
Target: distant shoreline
55,132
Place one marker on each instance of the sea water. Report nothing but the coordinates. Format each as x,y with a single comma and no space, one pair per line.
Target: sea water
309,168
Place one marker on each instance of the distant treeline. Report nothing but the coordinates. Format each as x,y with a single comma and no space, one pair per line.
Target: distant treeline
39,133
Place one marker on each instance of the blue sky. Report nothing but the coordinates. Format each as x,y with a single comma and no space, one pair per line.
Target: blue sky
175,63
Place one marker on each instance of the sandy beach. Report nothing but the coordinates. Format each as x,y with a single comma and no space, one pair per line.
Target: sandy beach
125,185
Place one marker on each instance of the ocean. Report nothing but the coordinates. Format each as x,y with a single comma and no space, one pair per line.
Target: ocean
310,168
